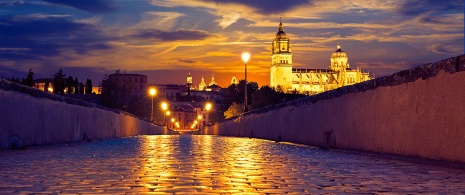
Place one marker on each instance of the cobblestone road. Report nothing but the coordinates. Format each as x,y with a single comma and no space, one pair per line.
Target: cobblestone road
218,165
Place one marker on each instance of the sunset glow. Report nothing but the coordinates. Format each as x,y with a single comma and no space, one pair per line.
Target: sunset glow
167,39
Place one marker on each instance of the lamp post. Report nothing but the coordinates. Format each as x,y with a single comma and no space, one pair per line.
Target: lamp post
164,107
172,122
245,58
152,93
199,118
208,107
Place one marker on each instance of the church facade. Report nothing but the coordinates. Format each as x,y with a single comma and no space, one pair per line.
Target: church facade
284,77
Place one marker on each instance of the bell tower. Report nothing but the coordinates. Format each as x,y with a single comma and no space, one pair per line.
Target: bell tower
281,60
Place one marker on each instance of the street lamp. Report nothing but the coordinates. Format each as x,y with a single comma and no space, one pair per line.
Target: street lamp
152,92
164,107
245,58
208,107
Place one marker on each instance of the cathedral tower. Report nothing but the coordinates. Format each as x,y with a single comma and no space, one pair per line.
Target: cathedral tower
281,61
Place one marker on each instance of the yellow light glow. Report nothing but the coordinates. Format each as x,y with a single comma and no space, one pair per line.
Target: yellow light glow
195,122
152,91
208,106
199,117
172,120
245,57
164,105
168,113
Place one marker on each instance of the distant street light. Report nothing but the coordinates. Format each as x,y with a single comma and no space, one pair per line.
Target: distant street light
208,107
245,58
152,92
164,107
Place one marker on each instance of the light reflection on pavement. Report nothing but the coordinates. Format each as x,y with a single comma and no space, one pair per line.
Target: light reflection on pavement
189,164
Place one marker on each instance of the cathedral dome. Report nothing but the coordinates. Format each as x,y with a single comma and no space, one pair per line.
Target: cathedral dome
281,34
339,53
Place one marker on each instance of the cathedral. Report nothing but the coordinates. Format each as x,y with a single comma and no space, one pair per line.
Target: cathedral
309,81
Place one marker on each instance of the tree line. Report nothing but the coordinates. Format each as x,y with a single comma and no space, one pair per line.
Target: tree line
257,97
59,83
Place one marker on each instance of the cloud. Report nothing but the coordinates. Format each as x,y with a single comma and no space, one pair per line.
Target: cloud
265,7
94,6
44,26
230,11
158,20
190,61
417,7
448,47
38,16
172,36
47,36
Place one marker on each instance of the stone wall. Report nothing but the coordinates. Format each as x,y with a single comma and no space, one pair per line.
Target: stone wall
416,112
32,117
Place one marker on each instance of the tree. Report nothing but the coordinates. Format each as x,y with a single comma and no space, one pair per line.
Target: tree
76,86
265,96
58,82
70,84
234,110
81,88
47,85
30,78
88,86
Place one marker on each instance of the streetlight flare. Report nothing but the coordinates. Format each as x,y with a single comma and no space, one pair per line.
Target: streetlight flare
164,105
245,57
152,91
208,106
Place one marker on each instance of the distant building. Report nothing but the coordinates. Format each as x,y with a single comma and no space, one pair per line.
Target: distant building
202,85
212,86
212,82
40,84
309,81
125,89
188,116
234,80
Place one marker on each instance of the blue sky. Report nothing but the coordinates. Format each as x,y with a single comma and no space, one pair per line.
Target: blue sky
167,39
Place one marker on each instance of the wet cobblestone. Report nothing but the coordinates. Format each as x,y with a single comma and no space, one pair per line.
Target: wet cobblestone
214,165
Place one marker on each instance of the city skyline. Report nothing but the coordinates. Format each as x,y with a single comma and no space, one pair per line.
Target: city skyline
167,39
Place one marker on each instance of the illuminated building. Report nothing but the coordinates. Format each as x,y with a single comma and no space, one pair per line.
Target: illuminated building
234,80
309,81
202,85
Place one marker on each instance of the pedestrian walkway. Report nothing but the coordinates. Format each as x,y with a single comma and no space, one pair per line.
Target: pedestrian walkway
199,164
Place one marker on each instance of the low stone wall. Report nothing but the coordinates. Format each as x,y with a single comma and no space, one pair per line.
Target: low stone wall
32,117
416,112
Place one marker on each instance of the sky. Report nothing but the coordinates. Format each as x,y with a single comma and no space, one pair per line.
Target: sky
168,39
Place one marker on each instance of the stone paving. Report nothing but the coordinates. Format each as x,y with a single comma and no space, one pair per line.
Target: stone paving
186,164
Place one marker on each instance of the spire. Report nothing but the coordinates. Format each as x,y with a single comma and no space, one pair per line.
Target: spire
338,46
281,28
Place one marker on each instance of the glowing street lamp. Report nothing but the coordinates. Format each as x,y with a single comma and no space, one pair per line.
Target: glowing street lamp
164,107
245,58
208,107
152,92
